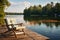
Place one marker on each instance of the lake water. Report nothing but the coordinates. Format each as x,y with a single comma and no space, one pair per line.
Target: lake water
49,29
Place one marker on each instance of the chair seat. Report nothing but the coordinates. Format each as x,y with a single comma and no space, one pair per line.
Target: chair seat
20,27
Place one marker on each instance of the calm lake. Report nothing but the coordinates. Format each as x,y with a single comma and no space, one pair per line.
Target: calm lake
49,29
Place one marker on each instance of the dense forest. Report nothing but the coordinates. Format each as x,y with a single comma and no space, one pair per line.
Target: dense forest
49,11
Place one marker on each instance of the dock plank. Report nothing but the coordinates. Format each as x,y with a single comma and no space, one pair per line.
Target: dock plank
29,35
36,36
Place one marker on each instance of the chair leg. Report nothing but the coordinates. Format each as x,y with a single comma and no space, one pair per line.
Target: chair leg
14,34
23,31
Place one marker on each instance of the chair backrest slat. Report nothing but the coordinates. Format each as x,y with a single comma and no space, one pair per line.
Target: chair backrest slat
10,21
7,24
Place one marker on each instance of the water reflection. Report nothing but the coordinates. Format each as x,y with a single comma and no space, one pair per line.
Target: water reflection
49,28
48,23
51,24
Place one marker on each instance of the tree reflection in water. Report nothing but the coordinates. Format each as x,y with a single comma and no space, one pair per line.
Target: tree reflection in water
33,20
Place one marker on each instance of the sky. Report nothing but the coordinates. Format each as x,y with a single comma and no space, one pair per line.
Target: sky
18,6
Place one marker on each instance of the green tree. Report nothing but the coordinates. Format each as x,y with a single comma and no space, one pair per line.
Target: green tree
39,9
56,10
52,4
47,10
3,5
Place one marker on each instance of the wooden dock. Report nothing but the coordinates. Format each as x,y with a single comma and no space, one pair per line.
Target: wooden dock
29,35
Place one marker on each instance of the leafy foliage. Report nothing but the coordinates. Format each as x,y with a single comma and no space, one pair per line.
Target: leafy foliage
49,11
3,4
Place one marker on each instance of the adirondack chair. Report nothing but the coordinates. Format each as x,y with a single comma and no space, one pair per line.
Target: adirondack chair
13,26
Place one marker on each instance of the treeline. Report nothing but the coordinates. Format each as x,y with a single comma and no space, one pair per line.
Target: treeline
49,11
13,13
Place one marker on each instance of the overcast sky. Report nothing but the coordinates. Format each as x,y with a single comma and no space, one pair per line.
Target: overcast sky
19,5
